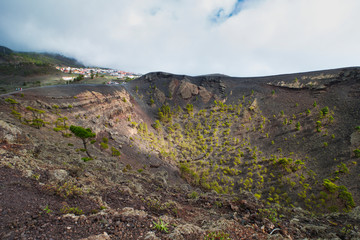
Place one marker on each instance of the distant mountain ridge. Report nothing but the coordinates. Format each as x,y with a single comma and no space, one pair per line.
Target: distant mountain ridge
5,50
32,63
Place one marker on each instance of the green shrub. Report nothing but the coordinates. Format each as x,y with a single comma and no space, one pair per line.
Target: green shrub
127,168
271,214
57,129
12,101
104,145
184,168
318,126
86,159
165,114
74,210
66,190
37,113
161,226
47,209
324,111
67,135
217,236
193,195
342,168
357,153
218,204
190,108
157,125
16,114
333,209
345,195
257,195
284,161
330,186
115,152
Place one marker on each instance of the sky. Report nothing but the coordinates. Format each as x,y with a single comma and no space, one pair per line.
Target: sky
233,37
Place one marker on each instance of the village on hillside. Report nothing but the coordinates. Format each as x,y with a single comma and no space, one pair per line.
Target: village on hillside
97,72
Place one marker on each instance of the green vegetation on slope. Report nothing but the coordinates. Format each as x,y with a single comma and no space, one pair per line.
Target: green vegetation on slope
214,149
29,64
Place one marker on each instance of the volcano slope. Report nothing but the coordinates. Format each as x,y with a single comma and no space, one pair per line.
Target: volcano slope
180,157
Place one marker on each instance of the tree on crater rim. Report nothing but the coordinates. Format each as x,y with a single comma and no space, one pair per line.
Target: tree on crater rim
84,134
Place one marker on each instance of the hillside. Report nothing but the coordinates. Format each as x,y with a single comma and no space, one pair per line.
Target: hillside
12,61
182,157
28,69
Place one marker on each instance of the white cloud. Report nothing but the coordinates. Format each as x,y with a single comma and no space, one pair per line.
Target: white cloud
265,37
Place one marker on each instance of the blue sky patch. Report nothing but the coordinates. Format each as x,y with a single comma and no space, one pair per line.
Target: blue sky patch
221,16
